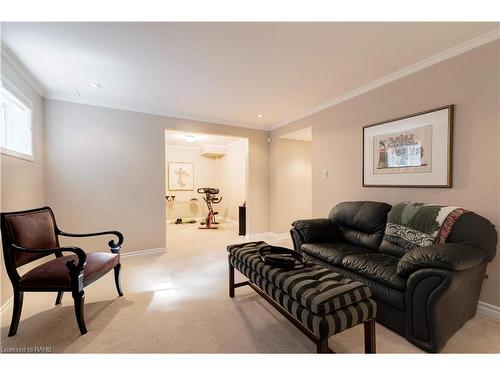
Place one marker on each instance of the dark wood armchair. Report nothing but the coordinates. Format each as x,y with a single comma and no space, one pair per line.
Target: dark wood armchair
33,234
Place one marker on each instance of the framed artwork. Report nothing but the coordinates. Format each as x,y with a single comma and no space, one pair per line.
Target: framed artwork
180,176
410,151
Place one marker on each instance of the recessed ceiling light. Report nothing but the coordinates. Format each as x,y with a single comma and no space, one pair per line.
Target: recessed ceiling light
95,85
260,115
189,138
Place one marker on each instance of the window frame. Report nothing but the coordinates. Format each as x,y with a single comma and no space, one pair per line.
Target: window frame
25,101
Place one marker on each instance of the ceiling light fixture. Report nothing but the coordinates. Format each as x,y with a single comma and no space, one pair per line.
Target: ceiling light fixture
260,115
95,85
189,138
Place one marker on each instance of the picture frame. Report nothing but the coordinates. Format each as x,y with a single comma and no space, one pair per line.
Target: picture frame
410,151
180,176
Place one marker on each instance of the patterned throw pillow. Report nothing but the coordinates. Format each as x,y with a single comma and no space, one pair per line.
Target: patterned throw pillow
413,224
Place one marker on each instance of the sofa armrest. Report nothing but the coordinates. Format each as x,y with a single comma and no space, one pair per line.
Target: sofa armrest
450,256
317,230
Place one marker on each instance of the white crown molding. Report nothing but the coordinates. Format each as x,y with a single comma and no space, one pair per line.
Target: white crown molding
442,56
14,62
237,141
149,111
11,58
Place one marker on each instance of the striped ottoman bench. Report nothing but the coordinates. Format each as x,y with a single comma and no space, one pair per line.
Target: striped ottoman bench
318,301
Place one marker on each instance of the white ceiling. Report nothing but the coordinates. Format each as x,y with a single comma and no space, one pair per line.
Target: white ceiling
304,134
223,72
176,138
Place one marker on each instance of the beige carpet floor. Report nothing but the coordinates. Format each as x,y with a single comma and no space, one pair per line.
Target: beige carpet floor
176,302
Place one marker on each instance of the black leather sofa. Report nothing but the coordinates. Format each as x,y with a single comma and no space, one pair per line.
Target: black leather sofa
425,294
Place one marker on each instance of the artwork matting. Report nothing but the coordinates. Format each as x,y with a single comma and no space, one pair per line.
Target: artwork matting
410,151
180,176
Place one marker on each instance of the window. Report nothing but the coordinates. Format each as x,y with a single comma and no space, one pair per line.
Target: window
15,124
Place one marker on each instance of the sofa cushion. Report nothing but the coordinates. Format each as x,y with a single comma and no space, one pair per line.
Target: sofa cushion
361,223
379,267
389,296
332,252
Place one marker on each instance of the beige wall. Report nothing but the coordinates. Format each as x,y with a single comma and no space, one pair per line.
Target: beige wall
291,183
471,82
232,179
22,181
106,169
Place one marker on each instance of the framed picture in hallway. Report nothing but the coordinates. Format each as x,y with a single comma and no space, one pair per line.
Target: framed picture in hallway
180,176
410,151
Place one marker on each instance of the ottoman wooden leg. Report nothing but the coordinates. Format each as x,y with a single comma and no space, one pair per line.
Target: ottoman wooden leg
370,346
322,347
231,281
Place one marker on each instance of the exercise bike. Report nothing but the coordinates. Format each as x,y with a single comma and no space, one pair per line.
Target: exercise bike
210,199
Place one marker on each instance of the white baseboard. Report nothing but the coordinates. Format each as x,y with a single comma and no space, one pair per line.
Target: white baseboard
6,304
143,252
269,236
258,236
488,310
282,236
199,219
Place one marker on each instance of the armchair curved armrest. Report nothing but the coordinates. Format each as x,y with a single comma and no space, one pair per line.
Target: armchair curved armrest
82,257
317,230
114,246
450,256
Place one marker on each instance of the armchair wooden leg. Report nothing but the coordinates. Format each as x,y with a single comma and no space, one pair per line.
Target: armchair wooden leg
59,297
16,313
117,279
370,345
80,318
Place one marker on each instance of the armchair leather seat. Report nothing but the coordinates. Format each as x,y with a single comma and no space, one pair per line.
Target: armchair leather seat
55,274
378,267
332,252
